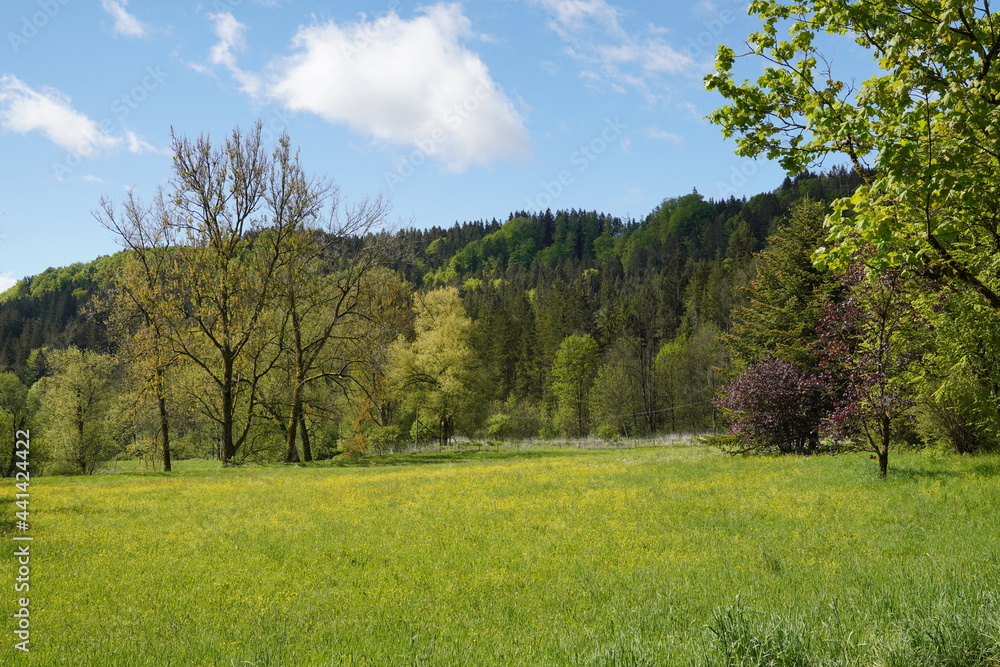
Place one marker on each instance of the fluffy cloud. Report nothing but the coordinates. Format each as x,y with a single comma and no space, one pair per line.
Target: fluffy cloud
24,109
125,24
400,82
570,16
663,135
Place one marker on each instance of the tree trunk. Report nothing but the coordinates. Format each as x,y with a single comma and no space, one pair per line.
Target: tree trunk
445,426
883,452
164,421
81,457
226,447
291,451
307,454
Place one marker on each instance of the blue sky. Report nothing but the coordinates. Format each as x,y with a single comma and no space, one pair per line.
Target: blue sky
454,111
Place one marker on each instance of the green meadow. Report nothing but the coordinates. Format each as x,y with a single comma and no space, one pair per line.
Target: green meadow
648,556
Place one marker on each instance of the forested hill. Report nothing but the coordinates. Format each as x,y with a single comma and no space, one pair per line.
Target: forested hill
696,228
527,284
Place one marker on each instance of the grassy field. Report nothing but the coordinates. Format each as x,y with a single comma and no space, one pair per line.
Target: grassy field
658,556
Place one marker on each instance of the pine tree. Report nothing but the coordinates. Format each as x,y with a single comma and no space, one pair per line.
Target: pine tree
786,297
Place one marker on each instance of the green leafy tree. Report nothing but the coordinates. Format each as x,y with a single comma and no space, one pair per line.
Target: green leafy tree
688,370
15,413
321,309
437,372
921,132
960,386
76,404
134,322
616,405
573,375
224,231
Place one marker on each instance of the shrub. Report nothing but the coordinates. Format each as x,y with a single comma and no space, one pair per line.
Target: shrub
959,412
774,406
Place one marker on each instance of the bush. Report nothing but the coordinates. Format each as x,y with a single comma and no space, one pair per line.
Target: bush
499,427
774,406
515,421
384,439
959,413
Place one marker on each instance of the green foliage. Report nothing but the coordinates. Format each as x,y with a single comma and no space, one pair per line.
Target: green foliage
926,119
786,297
16,413
684,219
526,286
75,408
688,372
384,439
960,412
437,372
616,405
573,375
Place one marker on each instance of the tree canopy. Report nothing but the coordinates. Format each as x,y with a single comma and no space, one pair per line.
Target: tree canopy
921,131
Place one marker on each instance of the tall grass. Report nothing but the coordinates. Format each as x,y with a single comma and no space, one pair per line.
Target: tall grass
656,556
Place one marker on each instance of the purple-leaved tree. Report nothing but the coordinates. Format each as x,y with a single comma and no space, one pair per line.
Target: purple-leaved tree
775,406
869,344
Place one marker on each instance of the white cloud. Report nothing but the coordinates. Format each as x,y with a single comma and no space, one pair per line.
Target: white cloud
232,40
137,144
7,280
632,195
705,8
126,25
612,57
23,110
49,112
570,16
658,56
401,82
663,135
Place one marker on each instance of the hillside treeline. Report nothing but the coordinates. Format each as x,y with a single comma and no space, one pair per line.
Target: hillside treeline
551,324
252,315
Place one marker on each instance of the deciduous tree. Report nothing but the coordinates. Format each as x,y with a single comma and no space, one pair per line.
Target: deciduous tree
870,342
75,404
573,375
437,370
224,229
921,131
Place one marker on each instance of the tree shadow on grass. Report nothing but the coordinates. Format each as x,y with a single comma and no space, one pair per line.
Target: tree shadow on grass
898,472
444,456
988,468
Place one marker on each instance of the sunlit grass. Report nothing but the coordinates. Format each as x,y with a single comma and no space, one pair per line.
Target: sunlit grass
667,555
